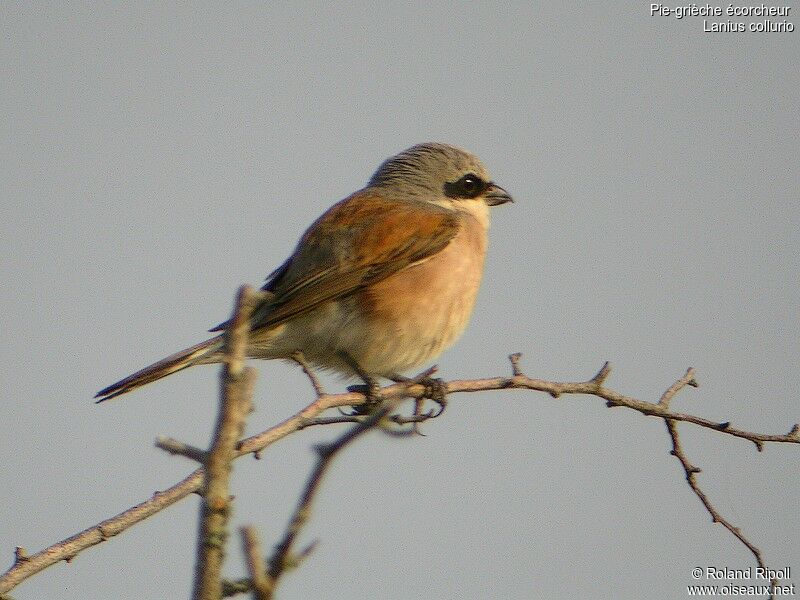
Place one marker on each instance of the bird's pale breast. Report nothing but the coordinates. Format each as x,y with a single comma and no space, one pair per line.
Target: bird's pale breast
413,315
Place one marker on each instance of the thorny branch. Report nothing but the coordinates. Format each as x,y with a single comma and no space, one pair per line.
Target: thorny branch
692,471
25,565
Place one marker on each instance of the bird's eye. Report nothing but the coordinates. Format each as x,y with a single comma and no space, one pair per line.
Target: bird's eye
469,186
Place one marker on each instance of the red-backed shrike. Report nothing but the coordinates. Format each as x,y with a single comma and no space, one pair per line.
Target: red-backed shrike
382,282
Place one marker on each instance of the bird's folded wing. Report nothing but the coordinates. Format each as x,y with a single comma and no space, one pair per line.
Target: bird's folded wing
359,241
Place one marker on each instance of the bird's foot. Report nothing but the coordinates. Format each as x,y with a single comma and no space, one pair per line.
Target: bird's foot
435,389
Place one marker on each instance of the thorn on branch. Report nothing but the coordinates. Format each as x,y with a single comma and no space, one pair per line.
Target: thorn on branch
324,450
602,375
176,447
305,552
516,370
20,554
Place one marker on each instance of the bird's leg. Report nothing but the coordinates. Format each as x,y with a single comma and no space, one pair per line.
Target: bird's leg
298,357
371,388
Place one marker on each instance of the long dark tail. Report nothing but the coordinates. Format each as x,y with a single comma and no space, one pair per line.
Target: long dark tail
166,366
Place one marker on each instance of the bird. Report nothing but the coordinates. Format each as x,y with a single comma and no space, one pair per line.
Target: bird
382,282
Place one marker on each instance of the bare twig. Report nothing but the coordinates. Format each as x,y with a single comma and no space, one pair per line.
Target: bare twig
261,584
70,547
691,478
691,470
515,368
284,557
237,388
179,448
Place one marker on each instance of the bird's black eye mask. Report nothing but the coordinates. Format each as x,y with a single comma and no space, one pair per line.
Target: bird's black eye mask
468,187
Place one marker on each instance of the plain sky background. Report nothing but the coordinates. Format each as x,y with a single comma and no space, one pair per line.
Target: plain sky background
157,156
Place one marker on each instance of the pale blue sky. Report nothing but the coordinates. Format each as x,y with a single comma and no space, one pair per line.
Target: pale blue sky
156,157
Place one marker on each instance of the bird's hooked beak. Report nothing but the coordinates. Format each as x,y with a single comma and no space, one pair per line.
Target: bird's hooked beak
496,195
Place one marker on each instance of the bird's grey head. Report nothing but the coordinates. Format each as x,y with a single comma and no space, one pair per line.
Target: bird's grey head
438,173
